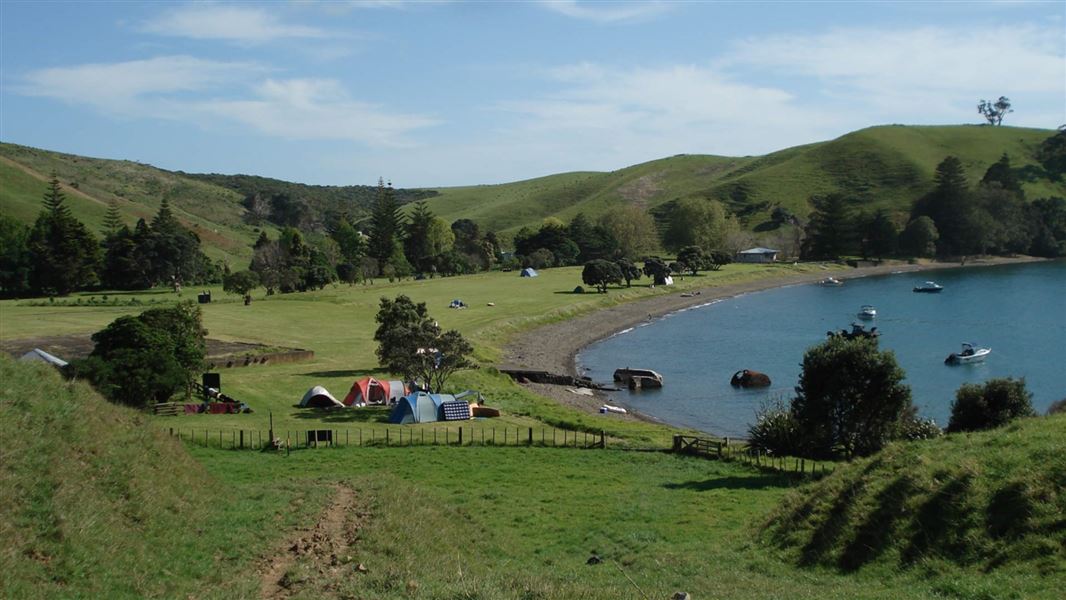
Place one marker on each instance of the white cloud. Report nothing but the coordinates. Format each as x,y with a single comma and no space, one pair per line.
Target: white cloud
128,87
204,93
315,109
606,12
917,66
234,23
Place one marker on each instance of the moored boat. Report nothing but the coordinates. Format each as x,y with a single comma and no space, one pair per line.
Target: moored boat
929,287
831,282
638,378
867,312
970,354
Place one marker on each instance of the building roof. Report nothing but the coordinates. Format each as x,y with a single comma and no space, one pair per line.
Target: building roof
759,251
40,355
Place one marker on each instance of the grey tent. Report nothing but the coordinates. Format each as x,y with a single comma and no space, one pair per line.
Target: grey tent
39,355
416,407
319,397
528,272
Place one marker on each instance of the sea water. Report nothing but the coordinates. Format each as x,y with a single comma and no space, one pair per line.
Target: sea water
1019,311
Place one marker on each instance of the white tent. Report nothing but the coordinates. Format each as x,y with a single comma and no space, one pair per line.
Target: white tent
41,356
319,397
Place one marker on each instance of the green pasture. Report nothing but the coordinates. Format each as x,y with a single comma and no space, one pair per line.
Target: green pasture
337,323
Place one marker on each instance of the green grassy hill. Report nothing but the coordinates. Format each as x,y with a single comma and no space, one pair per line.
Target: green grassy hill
887,167
882,167
90,184
96,502
988,501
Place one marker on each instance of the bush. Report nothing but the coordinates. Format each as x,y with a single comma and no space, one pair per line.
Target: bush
850,399
994,404
912,427
775,431
1058,406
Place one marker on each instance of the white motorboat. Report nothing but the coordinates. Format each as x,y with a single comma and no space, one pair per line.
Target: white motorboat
970,354
929,287
831,282
867,312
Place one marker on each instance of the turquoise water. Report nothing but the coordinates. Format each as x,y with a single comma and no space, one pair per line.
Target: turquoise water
1019,311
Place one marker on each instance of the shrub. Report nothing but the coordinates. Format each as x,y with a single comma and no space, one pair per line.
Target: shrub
912,427
775,430
1058,406
994,404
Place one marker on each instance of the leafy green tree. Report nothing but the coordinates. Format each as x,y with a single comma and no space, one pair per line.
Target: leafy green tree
411,344
541,258
830,229
880,236
241,283
850,398
992,404
600,273
64,256
1002,174
386,227
467,235
964,226
919,237
993,112
352,244
1047,218
126,265
718,258
693,258
632,228
629,270
139,360
657,269
14,256
698,222
1052,154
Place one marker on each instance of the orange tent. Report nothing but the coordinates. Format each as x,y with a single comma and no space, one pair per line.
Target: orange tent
371,391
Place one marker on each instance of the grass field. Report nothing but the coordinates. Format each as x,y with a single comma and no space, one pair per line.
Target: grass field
97,502
337,323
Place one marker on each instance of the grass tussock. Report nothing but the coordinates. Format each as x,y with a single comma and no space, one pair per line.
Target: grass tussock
987,501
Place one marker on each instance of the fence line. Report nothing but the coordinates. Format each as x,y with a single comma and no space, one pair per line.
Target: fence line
258,439
722,450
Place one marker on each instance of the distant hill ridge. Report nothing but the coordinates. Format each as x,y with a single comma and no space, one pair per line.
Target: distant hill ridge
881,167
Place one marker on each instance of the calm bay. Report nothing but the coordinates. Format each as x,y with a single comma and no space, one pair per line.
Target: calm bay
1019,311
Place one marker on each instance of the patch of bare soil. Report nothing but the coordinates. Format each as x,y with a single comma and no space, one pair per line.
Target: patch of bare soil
322,552
641,189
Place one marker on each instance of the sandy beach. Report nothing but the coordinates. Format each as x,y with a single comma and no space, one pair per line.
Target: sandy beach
554,347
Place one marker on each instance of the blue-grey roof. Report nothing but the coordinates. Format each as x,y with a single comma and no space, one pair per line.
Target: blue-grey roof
759,251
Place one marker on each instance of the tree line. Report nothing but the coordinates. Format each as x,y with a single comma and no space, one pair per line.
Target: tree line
58,254
954,219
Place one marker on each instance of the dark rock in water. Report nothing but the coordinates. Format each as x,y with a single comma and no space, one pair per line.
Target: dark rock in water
747,378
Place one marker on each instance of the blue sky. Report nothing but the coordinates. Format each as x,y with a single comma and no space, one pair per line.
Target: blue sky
455,93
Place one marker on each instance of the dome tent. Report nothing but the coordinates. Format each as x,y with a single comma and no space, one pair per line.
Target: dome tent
319,397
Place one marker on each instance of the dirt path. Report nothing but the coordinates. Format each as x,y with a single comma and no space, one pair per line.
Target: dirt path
323,549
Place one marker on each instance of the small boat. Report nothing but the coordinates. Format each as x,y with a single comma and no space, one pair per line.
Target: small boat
929,287
858,330
606,408
638,378
970,354
867,312
831,282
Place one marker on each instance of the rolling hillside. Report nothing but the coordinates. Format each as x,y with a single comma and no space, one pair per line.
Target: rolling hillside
885,166
888,166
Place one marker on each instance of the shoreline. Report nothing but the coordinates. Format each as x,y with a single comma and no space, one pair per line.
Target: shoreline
554,347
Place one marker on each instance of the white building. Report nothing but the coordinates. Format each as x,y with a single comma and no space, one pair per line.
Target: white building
758,255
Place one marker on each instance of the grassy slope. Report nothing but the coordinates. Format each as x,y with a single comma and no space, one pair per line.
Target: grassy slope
887,166
96,502
992,502
214,213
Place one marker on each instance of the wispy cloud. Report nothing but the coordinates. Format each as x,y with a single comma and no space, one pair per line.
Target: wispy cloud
233,23
606,12
205,93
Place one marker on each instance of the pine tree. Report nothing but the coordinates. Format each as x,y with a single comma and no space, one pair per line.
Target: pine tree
64,256
386,226
417,244
112,220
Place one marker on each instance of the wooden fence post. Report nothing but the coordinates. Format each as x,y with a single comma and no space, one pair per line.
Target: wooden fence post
530,439
242,439
386,436
677,443
603,439
460,435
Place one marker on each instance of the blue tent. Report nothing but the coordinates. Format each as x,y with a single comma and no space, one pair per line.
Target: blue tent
528,272
422,407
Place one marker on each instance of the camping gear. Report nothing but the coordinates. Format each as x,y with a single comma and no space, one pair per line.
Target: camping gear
211,381
483,412
416,407
457,303
39,355
371,391
528,272
319,397
455,410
